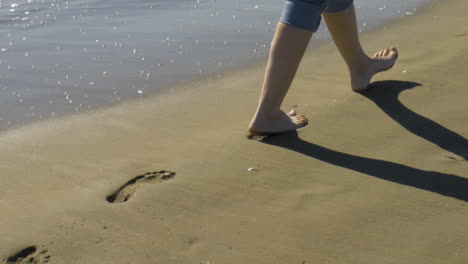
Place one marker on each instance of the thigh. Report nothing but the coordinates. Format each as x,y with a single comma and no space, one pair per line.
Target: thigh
305,14
334,6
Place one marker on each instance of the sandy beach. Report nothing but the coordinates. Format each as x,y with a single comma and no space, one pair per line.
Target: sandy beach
376,177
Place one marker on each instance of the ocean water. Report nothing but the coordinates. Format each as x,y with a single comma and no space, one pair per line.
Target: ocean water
59,57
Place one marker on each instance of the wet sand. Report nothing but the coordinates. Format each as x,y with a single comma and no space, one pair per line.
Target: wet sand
376,177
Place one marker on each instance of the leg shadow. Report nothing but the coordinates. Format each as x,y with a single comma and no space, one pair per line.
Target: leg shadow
385,95
444,184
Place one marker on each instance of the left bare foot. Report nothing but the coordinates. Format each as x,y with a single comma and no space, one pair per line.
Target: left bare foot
276,123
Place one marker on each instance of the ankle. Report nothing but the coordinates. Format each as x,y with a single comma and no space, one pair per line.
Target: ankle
268,112
360,65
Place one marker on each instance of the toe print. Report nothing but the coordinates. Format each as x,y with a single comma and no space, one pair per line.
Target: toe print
29,255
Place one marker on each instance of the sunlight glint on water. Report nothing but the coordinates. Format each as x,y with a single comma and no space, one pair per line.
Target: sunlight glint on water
59,57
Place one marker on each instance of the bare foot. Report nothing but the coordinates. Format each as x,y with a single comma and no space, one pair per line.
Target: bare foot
381,61
277,123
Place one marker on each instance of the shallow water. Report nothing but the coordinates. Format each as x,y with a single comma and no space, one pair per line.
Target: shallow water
59,57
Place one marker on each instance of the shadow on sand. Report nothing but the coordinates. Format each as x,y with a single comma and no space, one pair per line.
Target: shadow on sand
441,183
385,95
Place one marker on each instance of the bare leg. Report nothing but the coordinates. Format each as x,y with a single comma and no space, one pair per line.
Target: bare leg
287,49
343,28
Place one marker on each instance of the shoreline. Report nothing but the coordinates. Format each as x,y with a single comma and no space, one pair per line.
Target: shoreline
168,88
378,176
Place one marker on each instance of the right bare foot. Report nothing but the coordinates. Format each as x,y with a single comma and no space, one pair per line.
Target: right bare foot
381,61
280,122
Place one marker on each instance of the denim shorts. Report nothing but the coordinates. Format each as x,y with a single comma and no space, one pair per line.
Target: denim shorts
306,14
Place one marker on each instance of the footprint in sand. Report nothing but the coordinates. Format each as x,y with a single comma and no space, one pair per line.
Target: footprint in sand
127,190
29,255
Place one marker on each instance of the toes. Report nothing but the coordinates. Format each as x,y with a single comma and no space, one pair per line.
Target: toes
395,52
299,120
386,53
302,119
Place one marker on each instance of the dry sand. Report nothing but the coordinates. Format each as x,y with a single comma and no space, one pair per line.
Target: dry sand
377,177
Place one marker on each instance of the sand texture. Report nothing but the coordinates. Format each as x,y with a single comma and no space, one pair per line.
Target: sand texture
377,177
